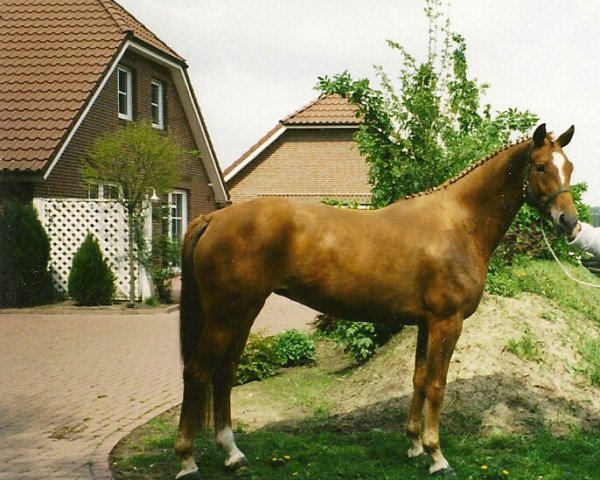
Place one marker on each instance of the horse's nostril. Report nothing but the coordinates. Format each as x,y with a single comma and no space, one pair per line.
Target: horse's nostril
568,222
562,220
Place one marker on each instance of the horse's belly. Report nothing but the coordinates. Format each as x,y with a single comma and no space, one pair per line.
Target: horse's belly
355,308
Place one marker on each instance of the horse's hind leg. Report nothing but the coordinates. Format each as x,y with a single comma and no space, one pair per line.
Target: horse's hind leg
197,392
223,380
209,375
413,425
194,417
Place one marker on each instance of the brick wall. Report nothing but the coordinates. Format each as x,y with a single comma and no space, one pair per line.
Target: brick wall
65,179
308,164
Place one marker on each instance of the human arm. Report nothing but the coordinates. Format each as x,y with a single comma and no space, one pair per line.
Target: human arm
588,239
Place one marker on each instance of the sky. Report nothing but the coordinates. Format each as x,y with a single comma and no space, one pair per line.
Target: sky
252,63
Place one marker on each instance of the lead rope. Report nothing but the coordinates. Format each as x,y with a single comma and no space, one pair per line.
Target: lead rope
581,282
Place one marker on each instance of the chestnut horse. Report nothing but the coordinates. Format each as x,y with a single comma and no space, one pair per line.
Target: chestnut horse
420,261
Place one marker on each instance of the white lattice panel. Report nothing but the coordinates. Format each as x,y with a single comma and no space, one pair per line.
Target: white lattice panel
67,222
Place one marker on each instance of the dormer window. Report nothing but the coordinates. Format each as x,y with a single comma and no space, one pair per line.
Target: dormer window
157,104
125,93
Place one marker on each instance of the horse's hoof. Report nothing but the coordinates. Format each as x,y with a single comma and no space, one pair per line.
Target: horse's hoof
235,466
190,476
416,453
444,473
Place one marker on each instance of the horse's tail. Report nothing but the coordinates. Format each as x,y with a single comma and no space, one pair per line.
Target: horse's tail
197,396
191,316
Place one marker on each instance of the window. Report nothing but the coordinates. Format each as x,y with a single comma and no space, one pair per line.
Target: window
157,104
125,93
104,191
176,220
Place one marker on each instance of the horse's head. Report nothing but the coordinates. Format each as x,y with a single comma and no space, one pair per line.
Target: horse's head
548,178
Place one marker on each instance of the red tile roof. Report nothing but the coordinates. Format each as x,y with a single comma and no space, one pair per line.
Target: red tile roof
325,111
54,54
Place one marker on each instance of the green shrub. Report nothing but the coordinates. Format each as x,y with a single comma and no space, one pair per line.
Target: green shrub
161,263
261,359
295,348
25,253
359,339
91,281
152,302
264,356
325,325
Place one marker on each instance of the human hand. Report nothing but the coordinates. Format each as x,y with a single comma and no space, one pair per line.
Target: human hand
575,232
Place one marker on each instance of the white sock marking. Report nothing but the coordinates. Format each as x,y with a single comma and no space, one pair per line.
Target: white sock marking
225,440
188,465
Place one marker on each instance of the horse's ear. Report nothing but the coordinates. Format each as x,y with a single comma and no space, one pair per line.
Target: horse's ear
566,137
539,135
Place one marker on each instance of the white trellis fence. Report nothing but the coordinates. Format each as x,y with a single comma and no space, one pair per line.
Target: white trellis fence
68,221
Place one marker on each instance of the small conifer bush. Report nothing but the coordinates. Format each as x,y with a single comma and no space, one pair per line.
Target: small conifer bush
91,281
24,256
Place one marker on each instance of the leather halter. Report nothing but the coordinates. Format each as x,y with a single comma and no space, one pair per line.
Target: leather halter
531,198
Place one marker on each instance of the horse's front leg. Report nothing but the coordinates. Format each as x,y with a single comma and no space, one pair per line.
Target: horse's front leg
413,425
442,338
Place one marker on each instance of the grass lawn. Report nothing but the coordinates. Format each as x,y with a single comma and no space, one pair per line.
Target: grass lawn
320,453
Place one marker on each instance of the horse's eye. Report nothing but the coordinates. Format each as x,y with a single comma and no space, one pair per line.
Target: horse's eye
540,167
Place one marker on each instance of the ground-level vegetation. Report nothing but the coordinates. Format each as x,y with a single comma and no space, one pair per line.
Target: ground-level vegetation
523,399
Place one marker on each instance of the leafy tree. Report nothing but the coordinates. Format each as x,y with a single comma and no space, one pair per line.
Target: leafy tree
91,281
430,127
433,125
425,128
25,253
137,159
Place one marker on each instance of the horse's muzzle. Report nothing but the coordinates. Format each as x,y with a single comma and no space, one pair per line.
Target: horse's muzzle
566,223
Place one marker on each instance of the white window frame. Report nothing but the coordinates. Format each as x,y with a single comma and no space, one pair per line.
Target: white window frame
160,105
104,191
128,93
182,217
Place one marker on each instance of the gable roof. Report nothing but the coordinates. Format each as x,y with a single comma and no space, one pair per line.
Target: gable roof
327,111
56,56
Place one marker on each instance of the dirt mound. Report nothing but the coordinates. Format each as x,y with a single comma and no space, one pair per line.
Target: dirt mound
490,387
517,365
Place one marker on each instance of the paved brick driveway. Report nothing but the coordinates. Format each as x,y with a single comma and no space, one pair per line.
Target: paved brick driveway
72,384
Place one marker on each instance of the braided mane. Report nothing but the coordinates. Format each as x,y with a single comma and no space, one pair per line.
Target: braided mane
466,171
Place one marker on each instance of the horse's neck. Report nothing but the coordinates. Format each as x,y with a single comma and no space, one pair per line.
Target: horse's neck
492,194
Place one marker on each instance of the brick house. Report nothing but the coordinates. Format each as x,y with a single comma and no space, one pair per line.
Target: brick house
310,155
75,69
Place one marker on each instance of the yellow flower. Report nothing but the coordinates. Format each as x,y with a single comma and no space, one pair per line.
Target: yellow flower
484,467
287,457
505,472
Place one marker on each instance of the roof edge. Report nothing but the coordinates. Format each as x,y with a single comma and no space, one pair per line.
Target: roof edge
122,25
254,151
112,7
